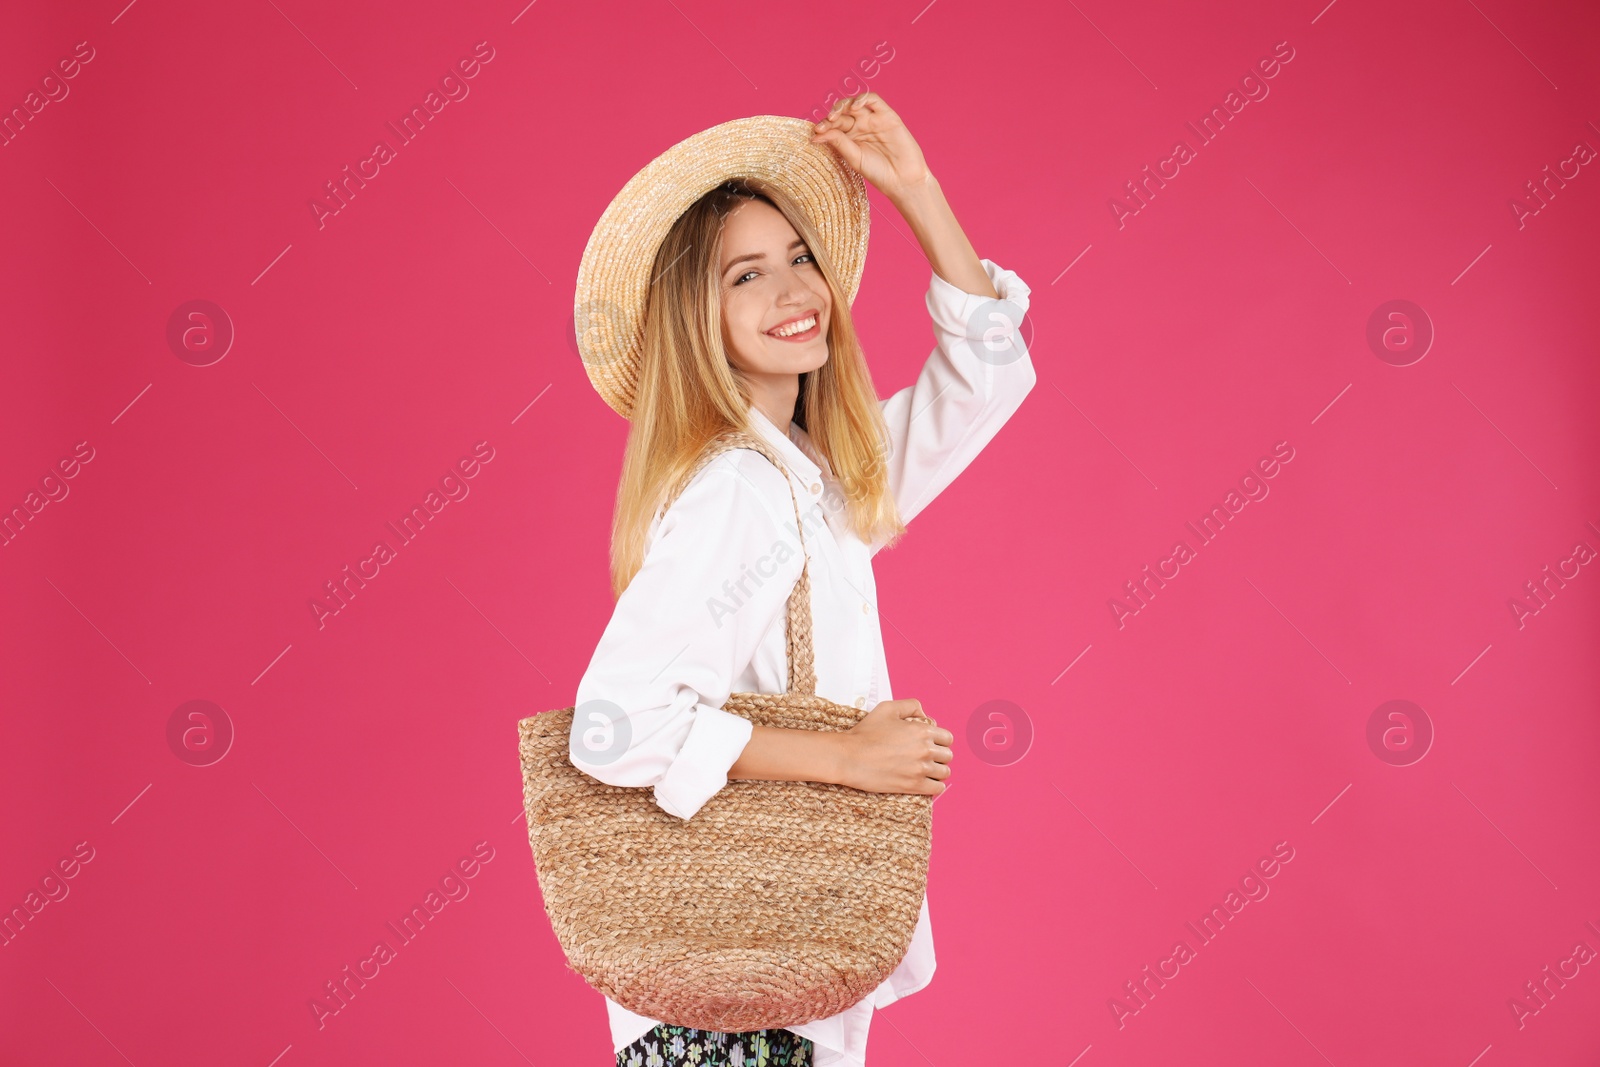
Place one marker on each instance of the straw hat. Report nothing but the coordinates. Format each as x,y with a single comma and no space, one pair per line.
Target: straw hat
614,276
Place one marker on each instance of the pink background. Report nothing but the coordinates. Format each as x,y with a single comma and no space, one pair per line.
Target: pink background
433,311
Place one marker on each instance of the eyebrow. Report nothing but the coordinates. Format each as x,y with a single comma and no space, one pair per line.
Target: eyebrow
796,243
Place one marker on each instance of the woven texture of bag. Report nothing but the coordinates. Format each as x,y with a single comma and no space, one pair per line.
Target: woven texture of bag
778,903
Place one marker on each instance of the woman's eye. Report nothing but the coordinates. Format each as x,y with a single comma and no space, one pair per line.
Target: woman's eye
803,255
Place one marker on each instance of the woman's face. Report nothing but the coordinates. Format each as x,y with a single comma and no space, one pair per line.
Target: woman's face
770,284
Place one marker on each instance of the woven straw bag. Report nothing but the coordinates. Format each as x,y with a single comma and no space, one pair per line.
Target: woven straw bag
776,904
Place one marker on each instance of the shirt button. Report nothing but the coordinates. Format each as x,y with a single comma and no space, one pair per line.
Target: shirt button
865,608
816,487
861,702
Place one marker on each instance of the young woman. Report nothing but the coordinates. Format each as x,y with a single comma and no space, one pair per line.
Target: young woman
746,325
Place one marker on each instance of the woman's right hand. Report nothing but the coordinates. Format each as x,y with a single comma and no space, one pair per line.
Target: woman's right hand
896,748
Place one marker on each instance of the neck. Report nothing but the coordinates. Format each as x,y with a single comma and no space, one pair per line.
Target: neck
775,396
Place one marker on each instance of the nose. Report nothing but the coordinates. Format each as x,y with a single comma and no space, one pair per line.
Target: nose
795,291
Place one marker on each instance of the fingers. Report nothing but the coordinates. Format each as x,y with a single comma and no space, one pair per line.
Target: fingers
848,108
847,149
833,115
851,102
935,776
868,100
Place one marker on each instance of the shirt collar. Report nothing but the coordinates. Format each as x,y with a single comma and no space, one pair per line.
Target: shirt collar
800,464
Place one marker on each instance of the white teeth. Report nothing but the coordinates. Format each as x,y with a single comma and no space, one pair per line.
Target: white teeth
795,327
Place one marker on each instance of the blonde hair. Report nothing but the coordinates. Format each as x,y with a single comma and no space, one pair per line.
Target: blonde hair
689,392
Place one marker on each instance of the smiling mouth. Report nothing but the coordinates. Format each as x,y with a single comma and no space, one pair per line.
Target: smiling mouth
798,330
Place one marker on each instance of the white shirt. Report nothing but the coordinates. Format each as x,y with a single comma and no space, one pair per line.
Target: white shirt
706,614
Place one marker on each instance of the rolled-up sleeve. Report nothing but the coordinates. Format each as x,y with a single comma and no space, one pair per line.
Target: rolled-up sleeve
975,379
715,578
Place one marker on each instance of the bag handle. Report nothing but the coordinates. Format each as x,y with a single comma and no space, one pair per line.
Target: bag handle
798,650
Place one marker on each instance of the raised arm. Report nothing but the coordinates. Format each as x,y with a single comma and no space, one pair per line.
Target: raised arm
871,137
980,370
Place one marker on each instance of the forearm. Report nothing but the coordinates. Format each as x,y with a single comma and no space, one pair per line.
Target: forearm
943,241
783,755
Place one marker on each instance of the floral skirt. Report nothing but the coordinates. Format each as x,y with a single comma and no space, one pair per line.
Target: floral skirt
674,1046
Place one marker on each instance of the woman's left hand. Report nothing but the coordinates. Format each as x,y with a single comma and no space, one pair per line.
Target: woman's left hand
872,139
